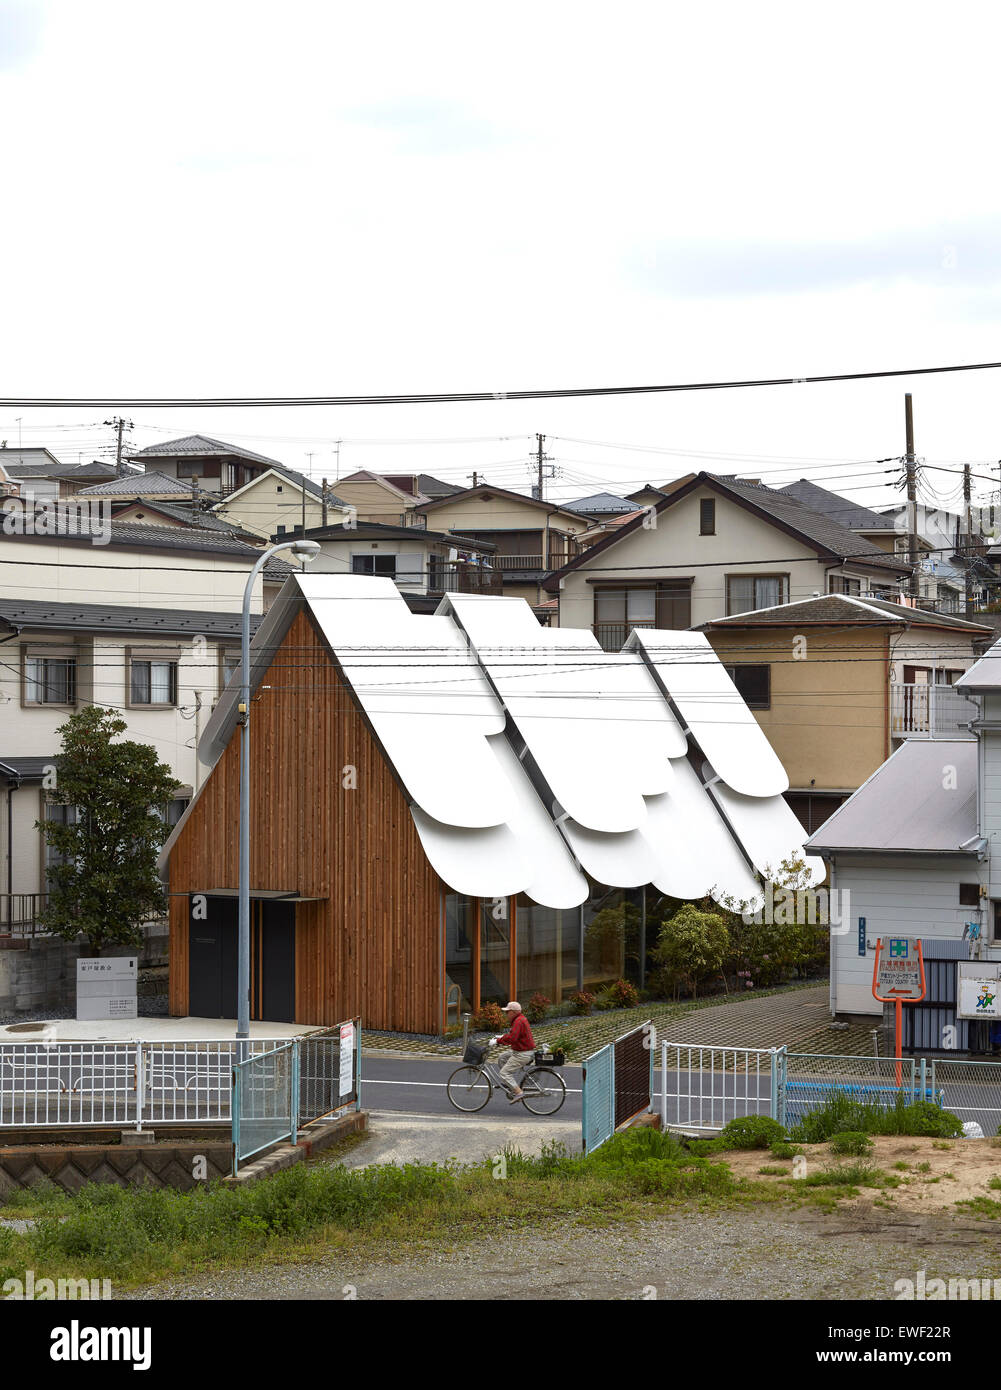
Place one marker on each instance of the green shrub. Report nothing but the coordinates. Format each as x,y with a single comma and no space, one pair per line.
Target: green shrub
581,1002
626,995
631,1145
843,1113
535,1009
489,1018
751,1132
783,1149
851,1143
859,1174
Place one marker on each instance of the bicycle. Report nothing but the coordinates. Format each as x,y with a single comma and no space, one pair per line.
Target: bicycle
471,1085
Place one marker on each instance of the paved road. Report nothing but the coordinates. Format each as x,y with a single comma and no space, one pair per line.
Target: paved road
416,1085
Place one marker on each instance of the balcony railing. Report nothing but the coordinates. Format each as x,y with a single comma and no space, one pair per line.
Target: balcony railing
518,562
611,636
20,912
464,579
928,711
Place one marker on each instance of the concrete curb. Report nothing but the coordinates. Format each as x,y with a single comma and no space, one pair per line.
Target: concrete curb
312,1138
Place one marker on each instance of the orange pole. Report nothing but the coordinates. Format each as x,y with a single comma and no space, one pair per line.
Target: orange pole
900,1042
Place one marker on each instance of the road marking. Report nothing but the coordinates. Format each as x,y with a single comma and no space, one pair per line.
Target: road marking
381,1081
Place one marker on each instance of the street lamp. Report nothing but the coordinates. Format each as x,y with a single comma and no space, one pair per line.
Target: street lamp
304,548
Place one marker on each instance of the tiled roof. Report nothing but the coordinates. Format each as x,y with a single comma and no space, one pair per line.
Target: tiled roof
200,446
152,484
843,609
197,520
813,525
601,504
138,536
101,617
847,513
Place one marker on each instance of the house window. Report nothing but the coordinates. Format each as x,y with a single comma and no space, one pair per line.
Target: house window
152,682
50,680
754,685
969,895
199,468
707,516
374,564
844,584
747,592
229,665
618,611
61,815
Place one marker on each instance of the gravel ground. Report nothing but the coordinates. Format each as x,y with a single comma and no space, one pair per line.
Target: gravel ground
781,1253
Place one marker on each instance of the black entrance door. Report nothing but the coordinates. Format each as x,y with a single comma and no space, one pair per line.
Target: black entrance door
275,962
212,959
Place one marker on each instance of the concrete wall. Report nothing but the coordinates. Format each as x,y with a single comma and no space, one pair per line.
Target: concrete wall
38,975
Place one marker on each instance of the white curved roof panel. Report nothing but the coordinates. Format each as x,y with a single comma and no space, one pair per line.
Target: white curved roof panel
768,829
423,692
695,852
691,673
526,855
596,724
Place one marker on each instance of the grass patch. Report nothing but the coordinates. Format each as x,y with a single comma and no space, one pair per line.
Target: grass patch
772,1170
844,1113
851,1144
133,1236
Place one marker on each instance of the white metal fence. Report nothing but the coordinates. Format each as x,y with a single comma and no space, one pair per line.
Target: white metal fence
704,1087
121,1084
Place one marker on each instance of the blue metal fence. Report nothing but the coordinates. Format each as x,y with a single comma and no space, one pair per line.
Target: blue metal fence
598,1107
275,1093
265,1101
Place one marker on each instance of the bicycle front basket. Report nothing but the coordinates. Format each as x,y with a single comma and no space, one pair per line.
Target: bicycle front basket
543,1057
474,1054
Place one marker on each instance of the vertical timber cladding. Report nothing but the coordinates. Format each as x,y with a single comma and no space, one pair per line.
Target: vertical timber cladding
369,946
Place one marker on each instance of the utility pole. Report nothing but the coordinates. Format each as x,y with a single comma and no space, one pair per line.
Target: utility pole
912,498
968,549
475,477
541,459
323,504
119,424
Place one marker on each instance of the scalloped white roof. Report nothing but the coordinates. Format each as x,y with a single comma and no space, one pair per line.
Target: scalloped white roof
531,757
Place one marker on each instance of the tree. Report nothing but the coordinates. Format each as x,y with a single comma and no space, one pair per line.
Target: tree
104,882
691,946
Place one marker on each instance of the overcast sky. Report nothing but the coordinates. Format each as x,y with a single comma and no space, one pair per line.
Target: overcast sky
327,198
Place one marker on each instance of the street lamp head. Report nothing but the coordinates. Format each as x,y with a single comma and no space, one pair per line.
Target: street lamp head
305,548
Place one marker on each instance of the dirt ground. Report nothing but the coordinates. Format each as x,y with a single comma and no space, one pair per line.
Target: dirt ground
773,1251
957,1170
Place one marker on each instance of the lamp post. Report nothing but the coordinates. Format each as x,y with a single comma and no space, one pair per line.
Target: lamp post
303,548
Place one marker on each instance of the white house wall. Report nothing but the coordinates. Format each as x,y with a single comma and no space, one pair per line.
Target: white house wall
675,549
902,895
75,572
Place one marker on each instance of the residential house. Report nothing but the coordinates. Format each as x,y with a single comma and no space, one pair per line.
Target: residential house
162,668
532,538
391,498
41,474
714,547
455,808
917,849
136,564
837,682
423,564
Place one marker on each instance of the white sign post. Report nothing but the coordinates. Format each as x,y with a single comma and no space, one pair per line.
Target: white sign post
106,987
347,1078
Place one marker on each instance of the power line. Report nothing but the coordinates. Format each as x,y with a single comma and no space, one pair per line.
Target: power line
450,397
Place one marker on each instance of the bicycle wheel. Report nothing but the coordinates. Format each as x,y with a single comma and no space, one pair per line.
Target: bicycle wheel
469,1089
545,1091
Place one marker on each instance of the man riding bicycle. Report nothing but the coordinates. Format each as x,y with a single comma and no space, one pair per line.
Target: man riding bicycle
522,1044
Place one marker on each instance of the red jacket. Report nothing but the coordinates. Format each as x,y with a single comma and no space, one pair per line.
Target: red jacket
520,1037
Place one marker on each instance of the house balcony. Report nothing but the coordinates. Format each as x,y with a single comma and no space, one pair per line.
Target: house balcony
611,636
465,579
19,913
928,711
